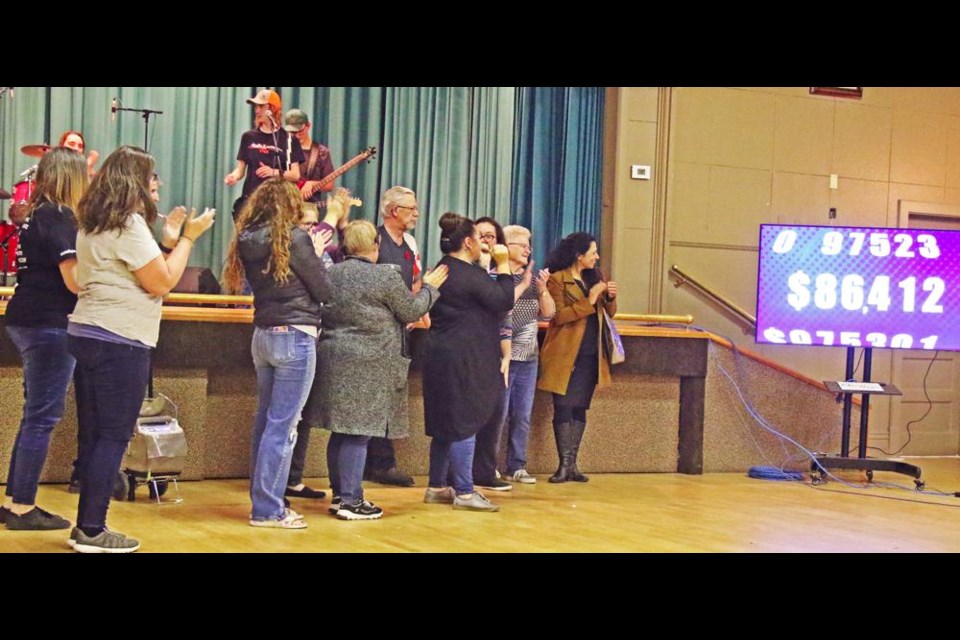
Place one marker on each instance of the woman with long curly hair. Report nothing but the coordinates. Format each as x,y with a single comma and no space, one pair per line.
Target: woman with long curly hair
289,282
36,320
122,276
573,360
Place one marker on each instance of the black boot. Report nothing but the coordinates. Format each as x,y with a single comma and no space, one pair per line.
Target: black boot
576,429
562,432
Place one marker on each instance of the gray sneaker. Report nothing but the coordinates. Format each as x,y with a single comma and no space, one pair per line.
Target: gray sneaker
35,520
105,542
439,496
475,502
522,477
72,541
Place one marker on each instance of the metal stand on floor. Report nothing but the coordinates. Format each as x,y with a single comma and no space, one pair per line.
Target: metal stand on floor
865,388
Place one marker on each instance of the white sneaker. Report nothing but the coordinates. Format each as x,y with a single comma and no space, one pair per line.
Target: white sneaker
290,520
522,477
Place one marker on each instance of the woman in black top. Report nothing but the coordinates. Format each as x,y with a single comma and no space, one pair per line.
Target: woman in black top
289,285
462,385
36,320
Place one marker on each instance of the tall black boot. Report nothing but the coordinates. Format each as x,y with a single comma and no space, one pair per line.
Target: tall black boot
576,431
562,432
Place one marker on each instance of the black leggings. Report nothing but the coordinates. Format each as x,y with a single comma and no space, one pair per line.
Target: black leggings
563,413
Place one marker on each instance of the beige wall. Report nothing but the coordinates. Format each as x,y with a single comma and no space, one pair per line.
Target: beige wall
728,159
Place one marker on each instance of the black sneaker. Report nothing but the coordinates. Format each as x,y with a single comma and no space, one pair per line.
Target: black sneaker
495,485
35,520
363,511
391,476
3,514
334,505
306,492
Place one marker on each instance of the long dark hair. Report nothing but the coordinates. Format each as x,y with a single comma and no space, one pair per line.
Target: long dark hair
565,254
120,189
454,229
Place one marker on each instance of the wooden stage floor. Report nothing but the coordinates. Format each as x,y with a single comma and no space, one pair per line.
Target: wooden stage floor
612,513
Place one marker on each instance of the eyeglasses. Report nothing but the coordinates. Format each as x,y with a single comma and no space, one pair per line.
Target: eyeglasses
488,236
522,245
402,206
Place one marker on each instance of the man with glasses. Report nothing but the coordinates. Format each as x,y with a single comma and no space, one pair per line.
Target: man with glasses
399,210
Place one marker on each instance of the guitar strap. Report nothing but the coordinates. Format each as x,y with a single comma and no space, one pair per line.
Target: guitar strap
314,153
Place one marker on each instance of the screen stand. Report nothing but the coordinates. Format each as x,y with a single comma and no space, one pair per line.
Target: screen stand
865,388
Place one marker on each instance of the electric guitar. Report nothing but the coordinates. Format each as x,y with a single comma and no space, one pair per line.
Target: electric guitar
369,152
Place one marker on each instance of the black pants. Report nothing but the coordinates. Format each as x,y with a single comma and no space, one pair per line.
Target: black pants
487,451
381,455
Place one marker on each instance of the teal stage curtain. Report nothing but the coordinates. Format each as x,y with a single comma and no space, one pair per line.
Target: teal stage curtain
530,156
558,163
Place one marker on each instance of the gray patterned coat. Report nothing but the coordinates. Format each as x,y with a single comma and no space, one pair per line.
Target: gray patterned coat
361,383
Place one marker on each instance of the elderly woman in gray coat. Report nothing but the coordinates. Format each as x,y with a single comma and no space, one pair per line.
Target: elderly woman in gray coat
361,370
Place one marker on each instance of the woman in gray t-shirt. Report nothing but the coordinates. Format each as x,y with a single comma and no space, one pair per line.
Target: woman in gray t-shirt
122,276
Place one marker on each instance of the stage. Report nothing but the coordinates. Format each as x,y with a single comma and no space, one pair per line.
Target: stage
652,512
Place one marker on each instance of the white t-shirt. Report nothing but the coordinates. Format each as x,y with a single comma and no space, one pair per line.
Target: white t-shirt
110,296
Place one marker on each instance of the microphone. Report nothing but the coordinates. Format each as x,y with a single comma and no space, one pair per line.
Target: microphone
113,111
28,171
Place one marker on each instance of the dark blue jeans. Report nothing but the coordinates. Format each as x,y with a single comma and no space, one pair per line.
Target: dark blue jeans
346,456
455,458
47,367
110,391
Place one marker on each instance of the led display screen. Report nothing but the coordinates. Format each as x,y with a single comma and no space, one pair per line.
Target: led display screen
859,286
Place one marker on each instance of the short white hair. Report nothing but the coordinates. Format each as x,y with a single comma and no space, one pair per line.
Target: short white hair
516,232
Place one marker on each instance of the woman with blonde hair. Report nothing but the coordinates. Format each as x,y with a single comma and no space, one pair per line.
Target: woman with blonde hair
289,283
364,329
122,276
36,320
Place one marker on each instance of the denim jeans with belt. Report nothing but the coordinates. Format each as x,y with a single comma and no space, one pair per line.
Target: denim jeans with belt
47,367
285,359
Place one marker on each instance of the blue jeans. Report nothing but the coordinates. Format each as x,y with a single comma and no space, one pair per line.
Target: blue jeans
47,367
516,412
346,457
110,391
285,359
456,458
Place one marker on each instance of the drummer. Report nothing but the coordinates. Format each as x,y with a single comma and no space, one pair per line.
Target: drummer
74,140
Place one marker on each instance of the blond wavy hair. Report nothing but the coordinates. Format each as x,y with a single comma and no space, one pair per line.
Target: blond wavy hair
61,180
276,203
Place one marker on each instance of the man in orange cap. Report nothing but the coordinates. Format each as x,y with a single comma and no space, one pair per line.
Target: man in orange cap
267,149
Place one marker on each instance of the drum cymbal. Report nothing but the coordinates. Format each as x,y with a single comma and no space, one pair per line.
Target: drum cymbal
35,150
4,194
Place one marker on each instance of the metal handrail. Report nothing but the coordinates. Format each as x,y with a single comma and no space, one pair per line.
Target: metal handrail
732,307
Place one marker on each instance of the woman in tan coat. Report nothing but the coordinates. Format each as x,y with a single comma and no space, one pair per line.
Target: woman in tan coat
573,358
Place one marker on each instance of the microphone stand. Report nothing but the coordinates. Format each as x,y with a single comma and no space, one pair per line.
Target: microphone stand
145,113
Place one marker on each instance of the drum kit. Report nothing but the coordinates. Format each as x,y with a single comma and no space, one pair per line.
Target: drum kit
22,190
